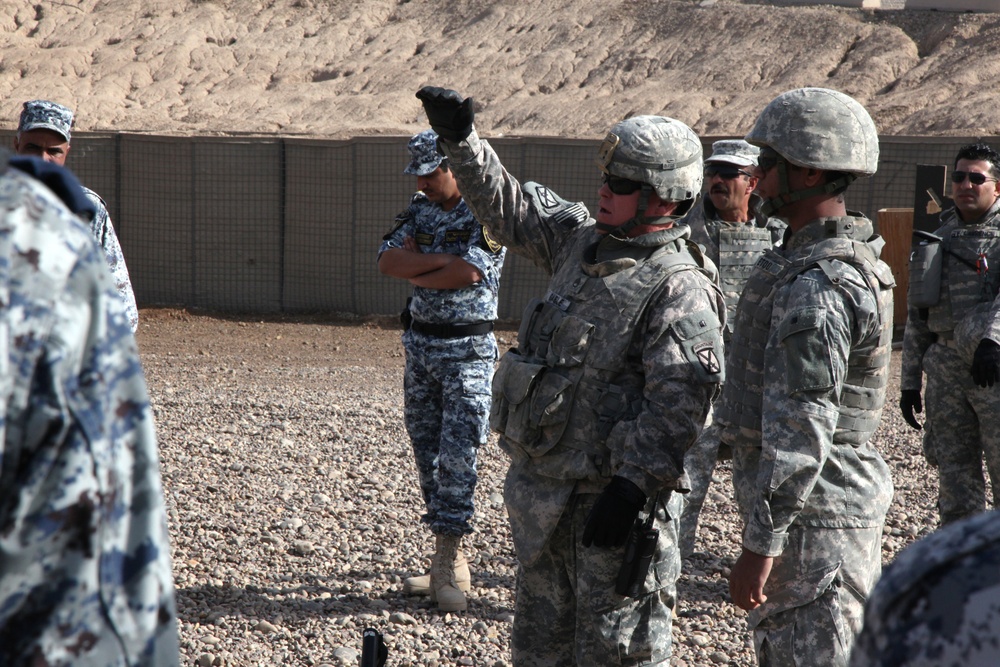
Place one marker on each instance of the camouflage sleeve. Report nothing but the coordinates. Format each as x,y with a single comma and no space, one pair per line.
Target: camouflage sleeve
499,202
683,373
104,232
88,573
814,327
402,227
916,339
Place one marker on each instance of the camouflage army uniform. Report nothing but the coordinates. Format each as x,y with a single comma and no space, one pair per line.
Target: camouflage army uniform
963,419
804,393
938,603
104,232
614,374
86,576
740,245
447,379
46,115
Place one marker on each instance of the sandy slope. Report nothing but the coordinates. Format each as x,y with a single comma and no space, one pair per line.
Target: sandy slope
339,68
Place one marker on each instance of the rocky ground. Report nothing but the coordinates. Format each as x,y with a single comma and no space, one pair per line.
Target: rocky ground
293,504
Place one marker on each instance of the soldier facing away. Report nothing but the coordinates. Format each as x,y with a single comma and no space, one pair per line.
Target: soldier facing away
43,131
454,267
805,386
733,233
952,334
611,382
85,576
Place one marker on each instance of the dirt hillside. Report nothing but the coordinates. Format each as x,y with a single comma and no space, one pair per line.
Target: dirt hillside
340,68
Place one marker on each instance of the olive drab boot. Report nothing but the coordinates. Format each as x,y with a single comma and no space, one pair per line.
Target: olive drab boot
444,586
421,585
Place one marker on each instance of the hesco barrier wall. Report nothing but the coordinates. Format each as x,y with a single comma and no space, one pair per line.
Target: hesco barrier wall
277,224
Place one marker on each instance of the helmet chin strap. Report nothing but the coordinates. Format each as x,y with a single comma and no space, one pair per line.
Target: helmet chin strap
771,206
621,231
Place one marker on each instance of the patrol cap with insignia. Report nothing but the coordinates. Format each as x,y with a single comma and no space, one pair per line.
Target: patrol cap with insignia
45,115
424,155
734,151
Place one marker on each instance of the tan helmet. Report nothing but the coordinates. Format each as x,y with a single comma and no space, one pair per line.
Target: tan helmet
819,128
662,152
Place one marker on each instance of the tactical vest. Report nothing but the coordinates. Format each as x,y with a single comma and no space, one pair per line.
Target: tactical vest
570,380
739,248
970,273
862,395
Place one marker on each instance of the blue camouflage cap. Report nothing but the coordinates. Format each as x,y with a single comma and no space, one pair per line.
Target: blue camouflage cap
424,155
45,115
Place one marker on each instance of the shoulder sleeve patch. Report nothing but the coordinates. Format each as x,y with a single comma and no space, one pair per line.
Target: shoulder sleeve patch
551,206
491,243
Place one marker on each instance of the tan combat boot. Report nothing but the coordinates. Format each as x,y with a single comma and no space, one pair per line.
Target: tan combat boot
421,585
444,586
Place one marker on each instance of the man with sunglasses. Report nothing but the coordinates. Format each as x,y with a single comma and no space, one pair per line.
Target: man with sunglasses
806,381
952,335
733,234
610,384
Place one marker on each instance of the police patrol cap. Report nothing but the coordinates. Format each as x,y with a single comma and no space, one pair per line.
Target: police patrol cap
45,115
424,155
734,151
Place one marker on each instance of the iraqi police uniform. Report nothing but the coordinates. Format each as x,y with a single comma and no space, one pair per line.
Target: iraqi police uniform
615,369
938,603
86,575
42,114
940,339
733,247
450,351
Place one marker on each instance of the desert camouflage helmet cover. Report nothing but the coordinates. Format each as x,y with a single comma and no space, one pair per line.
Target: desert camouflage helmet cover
819,128
662,152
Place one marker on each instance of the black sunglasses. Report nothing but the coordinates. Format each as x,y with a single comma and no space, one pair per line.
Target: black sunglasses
725,173
974,177
621,186
767,160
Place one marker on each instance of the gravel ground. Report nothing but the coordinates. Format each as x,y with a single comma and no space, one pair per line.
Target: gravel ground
293,504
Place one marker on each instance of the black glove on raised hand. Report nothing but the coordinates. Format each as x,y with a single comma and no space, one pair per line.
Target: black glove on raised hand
613,514
450,115
986,364
909,402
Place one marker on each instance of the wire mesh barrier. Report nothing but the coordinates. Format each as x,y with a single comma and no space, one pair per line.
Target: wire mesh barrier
286,225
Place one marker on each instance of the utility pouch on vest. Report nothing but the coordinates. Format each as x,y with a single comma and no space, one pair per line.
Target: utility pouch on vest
530,404
925,270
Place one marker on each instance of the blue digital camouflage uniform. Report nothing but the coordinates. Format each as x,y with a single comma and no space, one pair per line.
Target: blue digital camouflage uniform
85,574
733,247
447,379
938,603
614,374
805,387
962,419
45,115
104,232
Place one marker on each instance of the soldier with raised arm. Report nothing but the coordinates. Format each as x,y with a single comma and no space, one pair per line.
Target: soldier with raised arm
613,376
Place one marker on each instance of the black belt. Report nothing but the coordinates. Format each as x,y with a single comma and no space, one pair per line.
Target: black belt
452,330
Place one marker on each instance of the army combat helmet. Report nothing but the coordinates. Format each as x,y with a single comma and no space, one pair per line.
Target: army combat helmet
816,128
663,154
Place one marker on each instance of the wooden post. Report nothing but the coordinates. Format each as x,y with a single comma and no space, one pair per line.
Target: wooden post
896,227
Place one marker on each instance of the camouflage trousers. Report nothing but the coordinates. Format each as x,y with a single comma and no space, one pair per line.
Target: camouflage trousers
447,406
816,594
963,424
567,612
699,463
